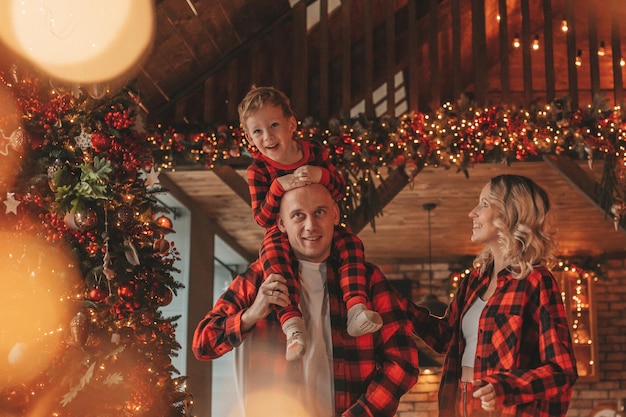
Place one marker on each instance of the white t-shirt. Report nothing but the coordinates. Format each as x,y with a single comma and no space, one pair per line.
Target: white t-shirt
317,362
469,325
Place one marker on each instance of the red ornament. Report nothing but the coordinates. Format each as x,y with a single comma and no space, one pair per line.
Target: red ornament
162,296
165,223
97,295
127,290
100,141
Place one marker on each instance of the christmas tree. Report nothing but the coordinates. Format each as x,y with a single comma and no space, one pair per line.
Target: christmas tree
86,260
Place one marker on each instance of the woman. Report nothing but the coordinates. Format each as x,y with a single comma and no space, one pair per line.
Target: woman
509,350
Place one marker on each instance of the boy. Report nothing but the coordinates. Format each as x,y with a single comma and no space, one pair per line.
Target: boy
282,163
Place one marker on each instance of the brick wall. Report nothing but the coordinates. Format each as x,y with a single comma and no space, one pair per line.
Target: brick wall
610,307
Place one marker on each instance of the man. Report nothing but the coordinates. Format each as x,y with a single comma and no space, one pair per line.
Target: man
339,374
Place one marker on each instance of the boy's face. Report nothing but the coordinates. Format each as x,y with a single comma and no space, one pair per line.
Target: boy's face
272,133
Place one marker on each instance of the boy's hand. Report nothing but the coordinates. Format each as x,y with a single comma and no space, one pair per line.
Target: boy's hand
309,174
290,181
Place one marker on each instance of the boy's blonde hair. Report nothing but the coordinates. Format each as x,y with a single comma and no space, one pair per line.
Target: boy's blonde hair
258,97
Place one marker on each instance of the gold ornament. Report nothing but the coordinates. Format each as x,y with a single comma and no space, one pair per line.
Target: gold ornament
85,219
78,330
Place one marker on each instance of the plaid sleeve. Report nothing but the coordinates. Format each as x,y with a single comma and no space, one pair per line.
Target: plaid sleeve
220,330
265,193
396,364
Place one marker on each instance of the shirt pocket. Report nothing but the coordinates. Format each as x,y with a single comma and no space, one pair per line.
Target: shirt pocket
503,339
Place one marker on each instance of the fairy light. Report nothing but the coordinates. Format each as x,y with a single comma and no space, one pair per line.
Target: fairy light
535,44
516,41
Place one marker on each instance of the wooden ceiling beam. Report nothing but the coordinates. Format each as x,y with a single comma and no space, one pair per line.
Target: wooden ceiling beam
386,192
581,180
196,210
235,181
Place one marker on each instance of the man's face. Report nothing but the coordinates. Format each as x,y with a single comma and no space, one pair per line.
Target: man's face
308,216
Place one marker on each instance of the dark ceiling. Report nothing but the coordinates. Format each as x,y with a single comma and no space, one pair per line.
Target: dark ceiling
206,54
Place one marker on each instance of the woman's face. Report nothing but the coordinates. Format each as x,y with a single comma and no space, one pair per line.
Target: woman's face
483,215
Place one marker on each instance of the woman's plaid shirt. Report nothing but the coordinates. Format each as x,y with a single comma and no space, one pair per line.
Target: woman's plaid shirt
524,344
371,372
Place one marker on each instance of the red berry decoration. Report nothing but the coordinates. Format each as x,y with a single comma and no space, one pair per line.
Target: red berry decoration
127,290
100,141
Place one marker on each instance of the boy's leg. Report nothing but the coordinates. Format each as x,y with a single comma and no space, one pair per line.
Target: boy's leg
274,255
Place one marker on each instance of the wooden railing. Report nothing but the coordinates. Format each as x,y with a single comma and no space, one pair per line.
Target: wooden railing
442,48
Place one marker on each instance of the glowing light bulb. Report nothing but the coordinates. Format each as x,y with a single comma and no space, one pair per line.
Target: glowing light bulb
516,41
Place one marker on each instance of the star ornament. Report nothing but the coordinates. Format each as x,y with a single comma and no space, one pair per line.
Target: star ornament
11,204
152,178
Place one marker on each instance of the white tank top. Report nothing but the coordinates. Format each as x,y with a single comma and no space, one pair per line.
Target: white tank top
469,326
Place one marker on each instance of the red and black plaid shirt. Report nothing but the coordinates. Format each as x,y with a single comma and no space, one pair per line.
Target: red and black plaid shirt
524,344
265,193
371,372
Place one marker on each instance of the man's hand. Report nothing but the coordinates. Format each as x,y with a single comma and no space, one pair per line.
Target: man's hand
272,291
309,174
487,395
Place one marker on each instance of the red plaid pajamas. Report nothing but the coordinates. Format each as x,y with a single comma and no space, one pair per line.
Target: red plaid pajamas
266,193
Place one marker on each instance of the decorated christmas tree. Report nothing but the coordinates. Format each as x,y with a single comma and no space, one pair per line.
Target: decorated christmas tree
86,260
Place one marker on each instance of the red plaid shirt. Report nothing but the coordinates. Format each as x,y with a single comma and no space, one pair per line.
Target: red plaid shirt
265,193
524,344
371,372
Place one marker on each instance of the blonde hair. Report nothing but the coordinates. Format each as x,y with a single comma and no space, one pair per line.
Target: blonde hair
524,224
257,97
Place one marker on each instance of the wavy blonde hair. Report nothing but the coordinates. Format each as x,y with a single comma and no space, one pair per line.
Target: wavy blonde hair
524,225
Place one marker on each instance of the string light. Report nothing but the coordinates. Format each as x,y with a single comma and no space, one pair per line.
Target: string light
516,41
601,49
579,58
536,43
564,27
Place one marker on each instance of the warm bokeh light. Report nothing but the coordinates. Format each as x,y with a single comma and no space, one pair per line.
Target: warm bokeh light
275,402
36,305
85,41
9,157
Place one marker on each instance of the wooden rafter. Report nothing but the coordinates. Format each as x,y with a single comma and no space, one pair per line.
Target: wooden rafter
194,208
386,191
581,180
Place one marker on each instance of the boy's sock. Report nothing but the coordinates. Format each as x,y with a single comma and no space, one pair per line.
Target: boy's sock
295,331
362,321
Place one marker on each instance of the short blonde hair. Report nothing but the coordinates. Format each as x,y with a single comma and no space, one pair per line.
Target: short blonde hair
258,97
